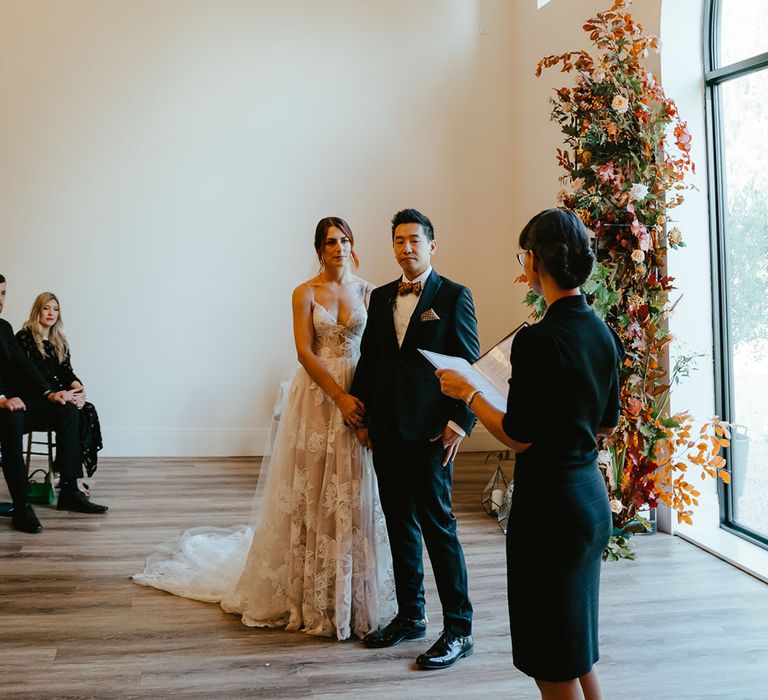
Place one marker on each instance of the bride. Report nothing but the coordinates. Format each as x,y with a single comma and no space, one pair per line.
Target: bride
316,556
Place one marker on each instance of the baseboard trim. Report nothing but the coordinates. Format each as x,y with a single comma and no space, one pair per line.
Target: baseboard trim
224,442
184,442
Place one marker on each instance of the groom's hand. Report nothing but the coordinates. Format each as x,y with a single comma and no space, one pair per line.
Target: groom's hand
451,441
363,438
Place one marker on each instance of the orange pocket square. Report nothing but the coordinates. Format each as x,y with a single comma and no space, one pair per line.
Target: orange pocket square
429,315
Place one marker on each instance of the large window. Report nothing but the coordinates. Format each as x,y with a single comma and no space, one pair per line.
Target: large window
737,101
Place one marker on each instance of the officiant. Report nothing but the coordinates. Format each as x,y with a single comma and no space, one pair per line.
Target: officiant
563,393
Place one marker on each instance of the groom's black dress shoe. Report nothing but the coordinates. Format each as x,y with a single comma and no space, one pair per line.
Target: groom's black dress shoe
77,501
399,629
446,651
25,520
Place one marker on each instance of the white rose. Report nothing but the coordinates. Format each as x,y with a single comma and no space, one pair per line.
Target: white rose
638,256
616,506
620,104
638,192
604,458
675,236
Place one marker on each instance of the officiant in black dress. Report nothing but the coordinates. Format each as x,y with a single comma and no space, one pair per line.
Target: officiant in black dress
563,393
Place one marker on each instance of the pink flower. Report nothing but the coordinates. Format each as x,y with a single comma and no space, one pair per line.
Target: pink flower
606,173
643,237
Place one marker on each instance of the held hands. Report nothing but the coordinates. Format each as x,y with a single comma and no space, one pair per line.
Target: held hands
454,384
12,404
451,441
352,410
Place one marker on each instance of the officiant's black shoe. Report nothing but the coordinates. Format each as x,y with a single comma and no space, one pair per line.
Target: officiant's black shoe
400,629
77,501
446,651
25,520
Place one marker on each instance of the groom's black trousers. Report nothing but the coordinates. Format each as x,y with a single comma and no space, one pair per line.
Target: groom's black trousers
41,414
415,491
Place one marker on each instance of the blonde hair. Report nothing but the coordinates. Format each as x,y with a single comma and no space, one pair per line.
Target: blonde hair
56,336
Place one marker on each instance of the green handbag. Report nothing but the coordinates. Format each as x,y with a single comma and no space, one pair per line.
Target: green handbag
41,491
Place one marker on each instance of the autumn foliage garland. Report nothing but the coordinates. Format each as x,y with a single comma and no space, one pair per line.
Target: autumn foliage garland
626,157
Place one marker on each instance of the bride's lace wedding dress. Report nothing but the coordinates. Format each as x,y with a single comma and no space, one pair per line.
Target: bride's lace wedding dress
316,556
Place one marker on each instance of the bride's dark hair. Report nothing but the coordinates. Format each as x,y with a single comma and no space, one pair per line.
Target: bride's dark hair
321,233
559,239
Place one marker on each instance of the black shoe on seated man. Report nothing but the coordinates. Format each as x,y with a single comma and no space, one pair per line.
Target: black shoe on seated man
400,629
77,501
446,651
25,520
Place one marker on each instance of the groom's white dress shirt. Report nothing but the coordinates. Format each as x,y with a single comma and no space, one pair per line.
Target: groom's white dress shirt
404,307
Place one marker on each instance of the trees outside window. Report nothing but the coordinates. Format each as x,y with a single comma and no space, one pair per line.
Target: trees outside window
737,99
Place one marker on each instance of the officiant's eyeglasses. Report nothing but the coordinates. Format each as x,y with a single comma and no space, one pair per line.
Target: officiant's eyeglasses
521,258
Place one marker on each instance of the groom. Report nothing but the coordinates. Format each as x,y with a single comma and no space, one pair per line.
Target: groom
415,431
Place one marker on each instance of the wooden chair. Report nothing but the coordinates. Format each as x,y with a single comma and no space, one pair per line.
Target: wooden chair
49,444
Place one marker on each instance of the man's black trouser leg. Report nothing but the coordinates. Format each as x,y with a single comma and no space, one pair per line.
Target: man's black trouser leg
40,415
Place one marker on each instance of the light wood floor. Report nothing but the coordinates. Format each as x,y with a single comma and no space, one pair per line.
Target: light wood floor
676,623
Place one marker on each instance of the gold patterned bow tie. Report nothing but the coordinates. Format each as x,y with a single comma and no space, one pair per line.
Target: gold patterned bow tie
409,288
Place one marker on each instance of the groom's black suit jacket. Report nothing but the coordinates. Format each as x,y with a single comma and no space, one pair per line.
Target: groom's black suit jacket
397,384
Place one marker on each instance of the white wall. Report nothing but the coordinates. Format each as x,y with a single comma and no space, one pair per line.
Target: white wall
164,165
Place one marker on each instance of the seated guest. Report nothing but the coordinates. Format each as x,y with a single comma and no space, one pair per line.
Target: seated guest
45,344
28,402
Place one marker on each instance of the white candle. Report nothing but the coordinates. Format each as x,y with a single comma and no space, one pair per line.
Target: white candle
497,498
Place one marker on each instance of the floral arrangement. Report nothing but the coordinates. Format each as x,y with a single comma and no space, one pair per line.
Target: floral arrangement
626,157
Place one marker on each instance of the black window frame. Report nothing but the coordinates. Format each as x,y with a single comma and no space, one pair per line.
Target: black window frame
714,76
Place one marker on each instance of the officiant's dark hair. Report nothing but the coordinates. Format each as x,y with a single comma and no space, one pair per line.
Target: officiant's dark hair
413,216
559,239
2,279
321,233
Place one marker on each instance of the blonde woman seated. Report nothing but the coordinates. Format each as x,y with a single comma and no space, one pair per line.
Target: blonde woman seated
46,345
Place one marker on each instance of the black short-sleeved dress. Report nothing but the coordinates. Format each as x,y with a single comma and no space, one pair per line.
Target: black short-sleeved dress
564,386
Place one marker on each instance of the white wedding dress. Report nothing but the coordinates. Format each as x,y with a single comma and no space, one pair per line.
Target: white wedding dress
316,557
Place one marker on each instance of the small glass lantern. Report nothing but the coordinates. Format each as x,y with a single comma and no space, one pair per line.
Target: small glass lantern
495,491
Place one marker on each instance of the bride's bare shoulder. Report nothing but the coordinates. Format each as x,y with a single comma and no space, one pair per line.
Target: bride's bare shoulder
305,292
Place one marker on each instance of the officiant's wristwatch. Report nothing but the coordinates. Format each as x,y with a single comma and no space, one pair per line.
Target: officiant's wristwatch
471,395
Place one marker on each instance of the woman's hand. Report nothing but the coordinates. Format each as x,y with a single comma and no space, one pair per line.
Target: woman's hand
78,396
352,410
454,384
62,397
